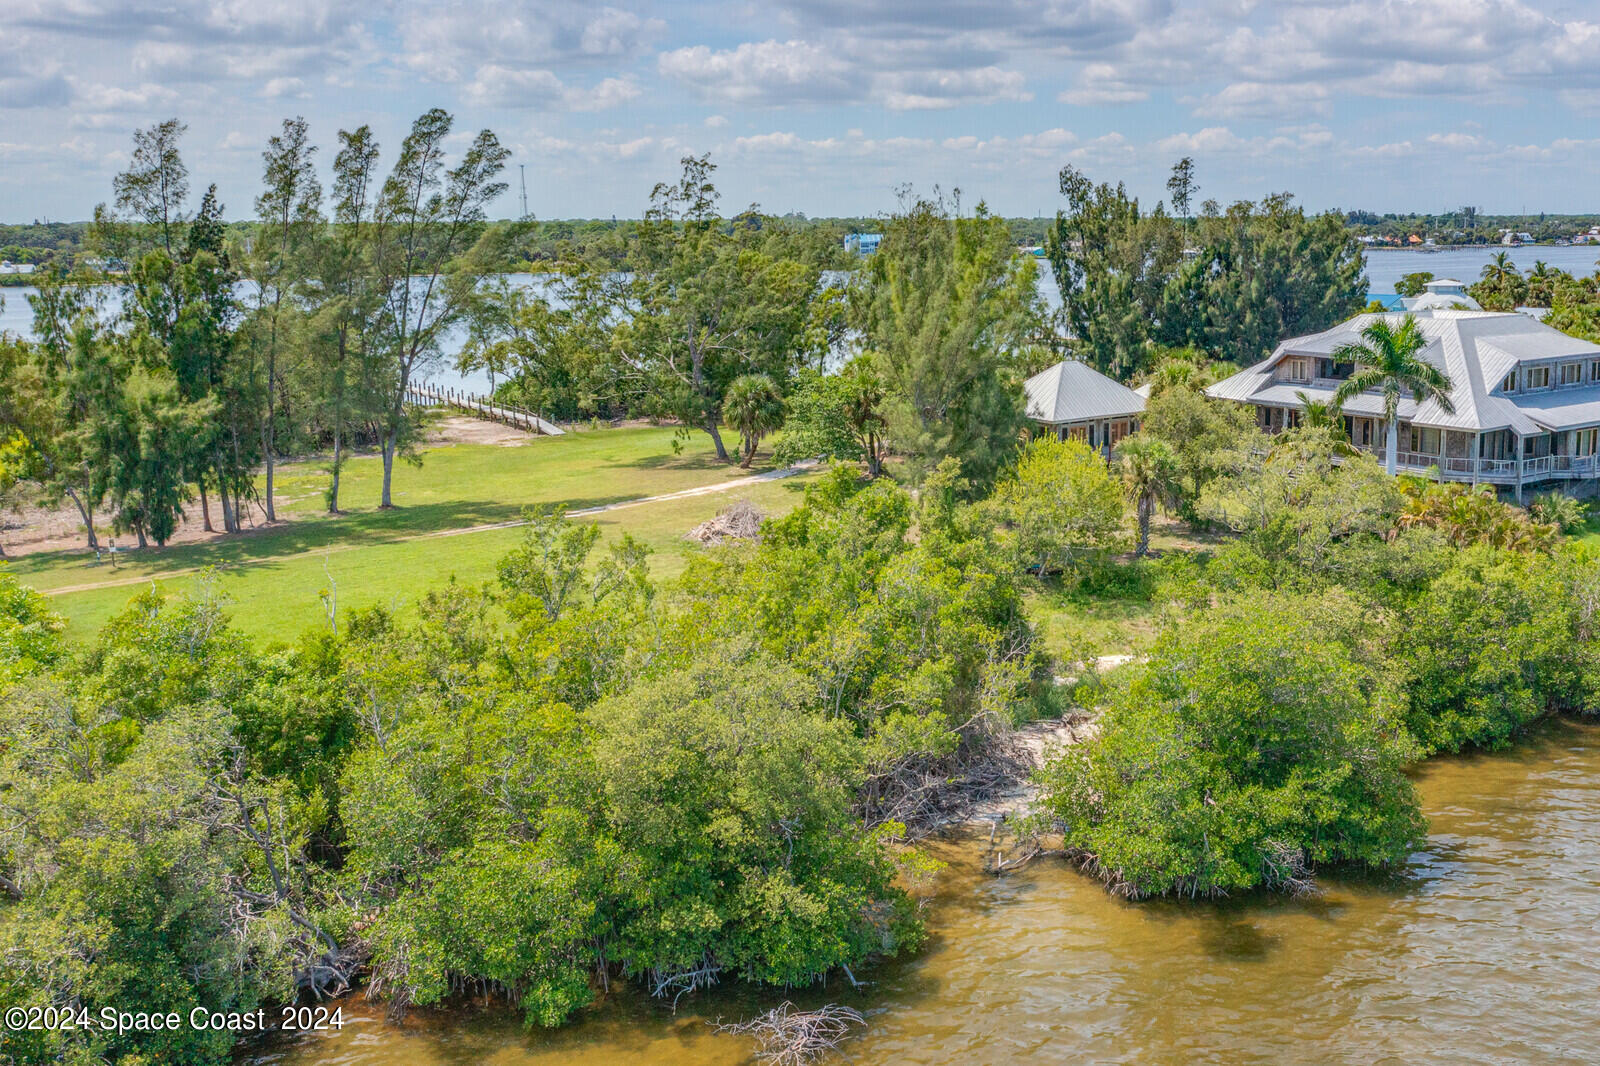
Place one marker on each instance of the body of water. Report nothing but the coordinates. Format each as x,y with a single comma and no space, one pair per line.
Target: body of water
1483,950
1384,269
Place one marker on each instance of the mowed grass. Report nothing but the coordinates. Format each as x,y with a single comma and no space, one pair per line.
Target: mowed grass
275,577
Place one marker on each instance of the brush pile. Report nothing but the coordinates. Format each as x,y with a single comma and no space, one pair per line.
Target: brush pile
741,521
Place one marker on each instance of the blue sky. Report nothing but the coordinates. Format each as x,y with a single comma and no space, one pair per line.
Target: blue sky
826,106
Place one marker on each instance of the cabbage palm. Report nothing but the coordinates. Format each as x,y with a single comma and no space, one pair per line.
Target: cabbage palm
1150,474
1500,270
753,405
1388,359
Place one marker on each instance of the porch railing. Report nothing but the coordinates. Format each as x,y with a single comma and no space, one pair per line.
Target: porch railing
1461,468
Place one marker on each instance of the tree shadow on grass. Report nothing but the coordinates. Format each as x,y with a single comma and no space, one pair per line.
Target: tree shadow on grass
253,547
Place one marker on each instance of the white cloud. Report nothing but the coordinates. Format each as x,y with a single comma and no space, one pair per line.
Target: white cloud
285,87
450,41
1254,99
785,73
766,73
935,90
1098,84
497,86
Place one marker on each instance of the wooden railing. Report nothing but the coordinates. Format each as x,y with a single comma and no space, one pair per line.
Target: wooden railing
482,407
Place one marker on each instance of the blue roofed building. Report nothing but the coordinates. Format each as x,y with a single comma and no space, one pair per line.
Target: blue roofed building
863,243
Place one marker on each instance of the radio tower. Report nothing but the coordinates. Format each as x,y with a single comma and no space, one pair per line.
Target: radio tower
523,170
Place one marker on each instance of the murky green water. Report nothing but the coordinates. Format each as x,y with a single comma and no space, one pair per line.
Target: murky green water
1487,950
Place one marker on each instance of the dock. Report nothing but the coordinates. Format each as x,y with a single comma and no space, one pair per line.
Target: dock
423,395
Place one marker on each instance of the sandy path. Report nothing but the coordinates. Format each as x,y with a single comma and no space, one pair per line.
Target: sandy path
701,490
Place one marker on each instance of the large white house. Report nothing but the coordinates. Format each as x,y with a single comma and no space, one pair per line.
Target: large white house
1526,397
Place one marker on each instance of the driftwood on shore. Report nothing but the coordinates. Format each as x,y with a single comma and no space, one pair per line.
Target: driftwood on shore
788,1037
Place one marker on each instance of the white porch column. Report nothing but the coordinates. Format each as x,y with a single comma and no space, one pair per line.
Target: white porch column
1516,450
1476,446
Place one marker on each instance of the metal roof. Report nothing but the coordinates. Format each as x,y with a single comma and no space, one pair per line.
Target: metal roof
1072,391
1475,349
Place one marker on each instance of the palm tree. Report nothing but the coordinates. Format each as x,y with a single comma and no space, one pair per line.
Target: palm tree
1150,474
1559,510
1387,359
1324,419
1541,280
754,406
1500,269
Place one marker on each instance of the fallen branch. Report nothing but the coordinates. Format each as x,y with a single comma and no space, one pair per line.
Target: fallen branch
788,1037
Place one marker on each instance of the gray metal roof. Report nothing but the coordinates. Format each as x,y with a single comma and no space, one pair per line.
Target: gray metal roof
1475,349
1072,391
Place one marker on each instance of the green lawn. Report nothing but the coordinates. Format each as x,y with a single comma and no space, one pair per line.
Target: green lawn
275,576
1075,626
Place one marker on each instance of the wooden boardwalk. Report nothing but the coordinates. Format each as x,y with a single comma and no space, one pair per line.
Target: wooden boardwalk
481,407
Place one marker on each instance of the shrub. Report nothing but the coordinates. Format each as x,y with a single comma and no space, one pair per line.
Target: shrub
1258,742
1061,506
1492,644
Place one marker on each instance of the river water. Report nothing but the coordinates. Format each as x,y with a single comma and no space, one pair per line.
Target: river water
1483,950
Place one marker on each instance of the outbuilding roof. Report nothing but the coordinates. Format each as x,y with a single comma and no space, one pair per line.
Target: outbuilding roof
1072,391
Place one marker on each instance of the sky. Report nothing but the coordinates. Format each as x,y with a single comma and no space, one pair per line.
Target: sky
830,106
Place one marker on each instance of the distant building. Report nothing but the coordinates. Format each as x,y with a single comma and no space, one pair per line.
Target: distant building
9,267
863,243
1441,294
1073,400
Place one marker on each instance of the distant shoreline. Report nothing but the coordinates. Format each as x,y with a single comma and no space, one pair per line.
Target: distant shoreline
1474,247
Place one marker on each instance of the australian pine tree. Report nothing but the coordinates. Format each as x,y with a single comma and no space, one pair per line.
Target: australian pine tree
289,214
943,306
345,355
425,221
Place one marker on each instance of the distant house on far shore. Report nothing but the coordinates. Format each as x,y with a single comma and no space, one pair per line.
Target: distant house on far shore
1073,400
8,267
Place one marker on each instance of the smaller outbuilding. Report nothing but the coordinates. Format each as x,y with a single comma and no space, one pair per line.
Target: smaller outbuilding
1074,400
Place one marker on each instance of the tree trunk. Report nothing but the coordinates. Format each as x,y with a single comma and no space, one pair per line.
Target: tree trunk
88,518
1393,446
338,459
271,514
389,442
230,518
139,531
1144,526
710,427
230,521
205,505
749,453
267,442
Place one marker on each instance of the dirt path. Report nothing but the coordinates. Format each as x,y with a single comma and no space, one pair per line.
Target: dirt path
701,490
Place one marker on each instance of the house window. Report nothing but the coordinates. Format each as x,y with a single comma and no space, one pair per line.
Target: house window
1424,441
1297,370
1584,441
1594,370
1571,373
1538,377
1510,382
